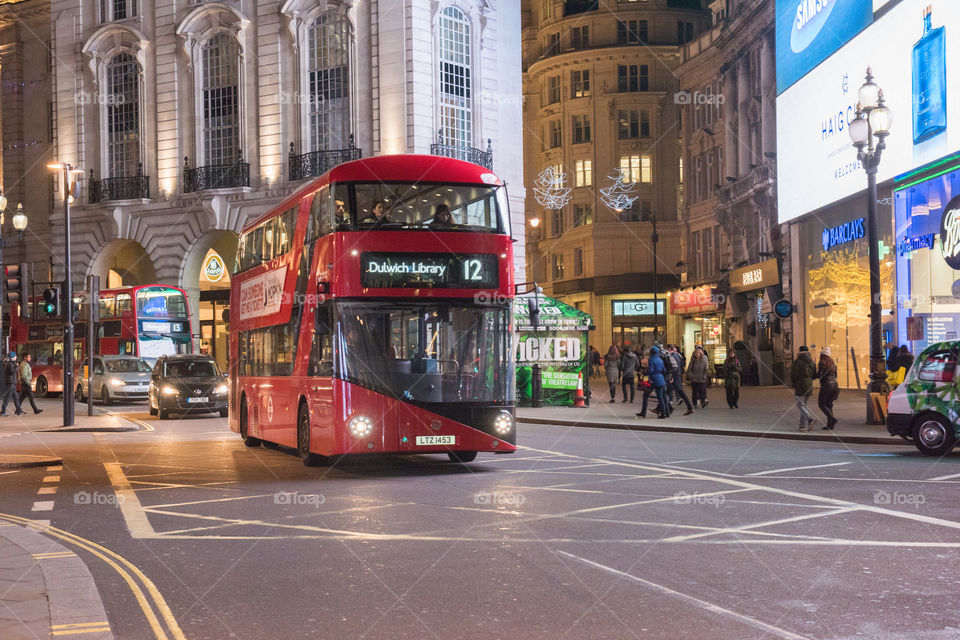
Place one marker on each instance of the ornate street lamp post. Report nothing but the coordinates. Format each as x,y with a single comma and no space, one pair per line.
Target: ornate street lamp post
869,131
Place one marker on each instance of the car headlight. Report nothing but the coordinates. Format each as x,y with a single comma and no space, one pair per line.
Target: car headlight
503,423
117,382
220,390
170,391
360,426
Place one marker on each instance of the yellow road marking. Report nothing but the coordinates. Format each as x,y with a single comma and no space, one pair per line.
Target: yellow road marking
79,625
54,554
115,561
79,631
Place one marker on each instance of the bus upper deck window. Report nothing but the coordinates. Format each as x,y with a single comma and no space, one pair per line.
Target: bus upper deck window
124,303
108,307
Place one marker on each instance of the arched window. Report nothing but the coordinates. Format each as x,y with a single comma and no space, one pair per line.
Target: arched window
123,115
454,53
220,62
327,65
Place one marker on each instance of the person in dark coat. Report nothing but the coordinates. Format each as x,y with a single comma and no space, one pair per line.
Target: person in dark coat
904,358
829,389
676,377
697,373
892,351
801,377
629,362
611,365
25,373
731,379
595,360
10,373
658,385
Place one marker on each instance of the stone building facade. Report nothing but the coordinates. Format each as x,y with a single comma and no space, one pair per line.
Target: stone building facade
191,118
600,94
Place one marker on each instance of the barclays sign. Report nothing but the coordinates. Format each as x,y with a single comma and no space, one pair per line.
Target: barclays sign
842,234
809,31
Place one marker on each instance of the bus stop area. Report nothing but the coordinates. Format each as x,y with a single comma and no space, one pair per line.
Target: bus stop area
764,412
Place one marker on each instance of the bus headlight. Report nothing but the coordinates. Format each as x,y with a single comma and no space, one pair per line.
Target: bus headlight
360,426
170,391
117,382
503,423
220,390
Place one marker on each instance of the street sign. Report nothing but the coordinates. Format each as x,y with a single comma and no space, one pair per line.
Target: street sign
783,308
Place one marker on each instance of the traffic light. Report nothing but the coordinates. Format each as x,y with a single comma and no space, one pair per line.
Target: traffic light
51,302
16,283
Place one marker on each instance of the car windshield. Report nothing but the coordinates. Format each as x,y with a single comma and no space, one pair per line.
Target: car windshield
128,365
191,369
427,353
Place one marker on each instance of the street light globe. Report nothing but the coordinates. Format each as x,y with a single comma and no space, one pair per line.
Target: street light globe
534,222
858,130
880,120
20,219
869,94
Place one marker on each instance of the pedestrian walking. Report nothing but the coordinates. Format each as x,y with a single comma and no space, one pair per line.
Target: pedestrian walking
670,366
697,373
802,374
658,384
904,358
595,360
829,389
26,381
628,372
611,365
676,378
10,384
731,379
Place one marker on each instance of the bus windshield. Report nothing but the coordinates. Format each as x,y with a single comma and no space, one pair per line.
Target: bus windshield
161,302
433,207
427,353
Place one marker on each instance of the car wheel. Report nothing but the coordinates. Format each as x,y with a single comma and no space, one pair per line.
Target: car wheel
462,456
303,439
224,413
79,394
151,409
248,440
42,389
933,435
105,396
164,413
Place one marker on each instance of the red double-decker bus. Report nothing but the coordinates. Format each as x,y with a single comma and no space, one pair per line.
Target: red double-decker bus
365,319
146,321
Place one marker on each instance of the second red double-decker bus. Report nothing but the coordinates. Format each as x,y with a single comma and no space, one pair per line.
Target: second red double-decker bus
371,312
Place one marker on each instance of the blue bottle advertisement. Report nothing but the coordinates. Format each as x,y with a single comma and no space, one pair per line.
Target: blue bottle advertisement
929,81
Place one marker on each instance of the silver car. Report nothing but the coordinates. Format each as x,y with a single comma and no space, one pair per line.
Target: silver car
115,378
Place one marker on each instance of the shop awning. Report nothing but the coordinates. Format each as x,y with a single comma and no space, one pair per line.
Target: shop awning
554,315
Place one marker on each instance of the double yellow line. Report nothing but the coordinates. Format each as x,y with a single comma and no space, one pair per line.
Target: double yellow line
154,608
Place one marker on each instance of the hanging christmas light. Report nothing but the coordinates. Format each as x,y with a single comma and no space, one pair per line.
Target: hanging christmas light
619,195
550,190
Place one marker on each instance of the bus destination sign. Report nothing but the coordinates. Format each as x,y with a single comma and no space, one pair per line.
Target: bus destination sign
429,270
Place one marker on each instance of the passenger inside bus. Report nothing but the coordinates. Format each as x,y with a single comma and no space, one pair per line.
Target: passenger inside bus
378,215
442,217
341,219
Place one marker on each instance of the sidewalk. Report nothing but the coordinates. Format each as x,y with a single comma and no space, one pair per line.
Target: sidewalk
46,590
766,412
52,419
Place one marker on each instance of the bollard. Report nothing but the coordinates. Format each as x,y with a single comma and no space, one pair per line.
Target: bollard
536,391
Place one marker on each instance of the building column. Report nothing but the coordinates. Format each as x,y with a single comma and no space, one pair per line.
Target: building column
768,88
730,152
743,123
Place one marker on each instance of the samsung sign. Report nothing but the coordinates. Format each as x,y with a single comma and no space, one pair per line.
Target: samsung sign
816,162
842,234
810,30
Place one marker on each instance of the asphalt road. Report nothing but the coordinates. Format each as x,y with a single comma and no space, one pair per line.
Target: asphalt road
583,533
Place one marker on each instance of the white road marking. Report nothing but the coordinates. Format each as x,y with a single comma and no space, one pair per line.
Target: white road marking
758,525
133,514
51,479
949,477
59,467
697,602
812,466
46,491
42,505
43,523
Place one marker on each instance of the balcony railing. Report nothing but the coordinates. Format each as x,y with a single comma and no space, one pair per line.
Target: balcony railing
760,176
128,188
317,163
216,176
468,154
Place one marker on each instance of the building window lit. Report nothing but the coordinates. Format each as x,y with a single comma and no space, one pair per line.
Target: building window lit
328,83
122,116
456,110
646,169
580,84
636,168
582,215
221,100
584,173
557,264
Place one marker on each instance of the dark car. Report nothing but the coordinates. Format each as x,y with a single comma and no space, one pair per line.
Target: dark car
187,383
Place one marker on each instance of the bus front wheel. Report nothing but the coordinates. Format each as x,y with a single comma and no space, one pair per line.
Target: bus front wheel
42,389
248,440
303,438
462,456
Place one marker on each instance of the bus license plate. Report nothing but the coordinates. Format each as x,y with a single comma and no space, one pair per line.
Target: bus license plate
434,440
202,399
